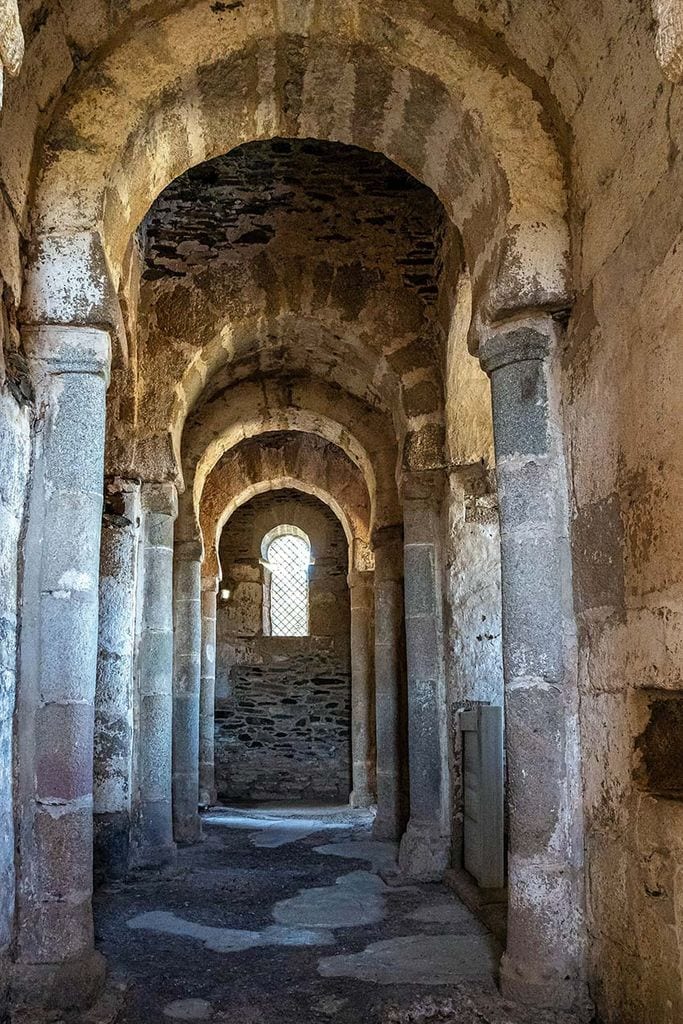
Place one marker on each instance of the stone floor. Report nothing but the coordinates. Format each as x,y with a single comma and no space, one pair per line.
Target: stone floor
281,915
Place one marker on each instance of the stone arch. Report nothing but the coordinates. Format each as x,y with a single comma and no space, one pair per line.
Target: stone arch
303,405
335,351
197,83
301,461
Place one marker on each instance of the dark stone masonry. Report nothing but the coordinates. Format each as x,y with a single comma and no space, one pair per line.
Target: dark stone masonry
283,704
284,731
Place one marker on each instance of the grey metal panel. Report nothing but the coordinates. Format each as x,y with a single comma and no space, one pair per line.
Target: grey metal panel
483,794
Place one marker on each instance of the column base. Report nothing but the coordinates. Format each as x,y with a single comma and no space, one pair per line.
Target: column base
533,984
188,832
424,854
72,985
207,798
386,827
360,797
154,856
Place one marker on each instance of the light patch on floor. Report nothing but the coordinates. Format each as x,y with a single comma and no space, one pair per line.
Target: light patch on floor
269,831
229,940
416,960
355,899
188,1009
380,855
331,1005
452,914
272,838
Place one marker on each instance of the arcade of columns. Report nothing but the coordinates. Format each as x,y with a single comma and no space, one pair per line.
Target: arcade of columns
445,244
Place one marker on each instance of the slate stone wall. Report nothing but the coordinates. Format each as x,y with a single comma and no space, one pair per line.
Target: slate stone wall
283,704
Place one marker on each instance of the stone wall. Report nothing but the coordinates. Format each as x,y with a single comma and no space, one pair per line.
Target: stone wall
14,466
283,704
623,400
473,613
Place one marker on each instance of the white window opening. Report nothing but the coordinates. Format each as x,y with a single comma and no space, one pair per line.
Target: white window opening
287,556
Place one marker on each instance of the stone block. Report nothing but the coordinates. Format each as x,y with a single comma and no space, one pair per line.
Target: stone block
111,850
528,494
78,408
420,580
158,530
68,646
63,847
185,733
64,752
71,546
532,608
57,931
536,775
157,609
155,663
520,409
155,746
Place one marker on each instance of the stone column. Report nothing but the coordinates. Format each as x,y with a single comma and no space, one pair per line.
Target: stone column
154,834
543,963
389,684
56,961
187,621
425,847
362,689
115,664
207,694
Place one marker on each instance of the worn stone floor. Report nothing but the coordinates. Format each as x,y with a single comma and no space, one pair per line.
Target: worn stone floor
281,915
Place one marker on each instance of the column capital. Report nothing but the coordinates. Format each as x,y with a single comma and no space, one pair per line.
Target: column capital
69,282
516,343
161,498
54,349
360,578
387,536
189,551
118,484
424,485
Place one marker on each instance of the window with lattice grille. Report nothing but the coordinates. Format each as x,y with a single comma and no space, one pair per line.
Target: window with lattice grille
288,557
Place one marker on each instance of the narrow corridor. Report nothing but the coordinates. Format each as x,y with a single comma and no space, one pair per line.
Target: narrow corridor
283,915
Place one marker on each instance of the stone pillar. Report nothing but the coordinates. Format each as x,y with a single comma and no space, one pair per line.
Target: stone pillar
425,847
362,689
207,694
187,622
154,834
56,961
115,664
389,684
543,963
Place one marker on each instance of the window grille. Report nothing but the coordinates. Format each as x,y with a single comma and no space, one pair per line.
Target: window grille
288,557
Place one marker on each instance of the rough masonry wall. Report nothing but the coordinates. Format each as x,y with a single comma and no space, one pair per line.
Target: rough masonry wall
293,255
624,417
14,467
473,612
283,704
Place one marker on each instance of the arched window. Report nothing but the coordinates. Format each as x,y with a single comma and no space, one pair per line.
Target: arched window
287,555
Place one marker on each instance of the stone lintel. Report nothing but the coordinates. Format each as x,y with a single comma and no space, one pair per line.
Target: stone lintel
161,498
